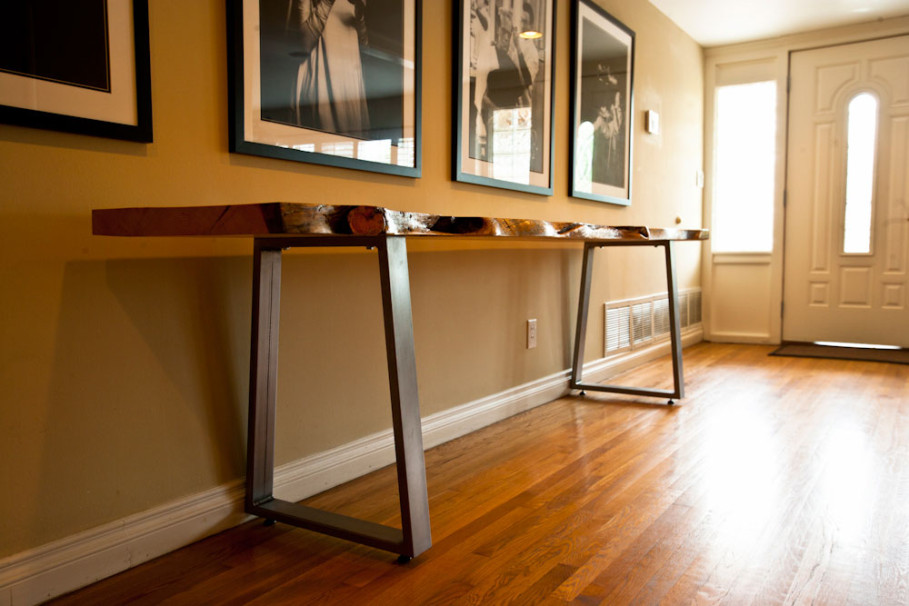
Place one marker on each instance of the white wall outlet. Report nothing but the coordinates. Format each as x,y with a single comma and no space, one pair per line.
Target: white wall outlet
531,333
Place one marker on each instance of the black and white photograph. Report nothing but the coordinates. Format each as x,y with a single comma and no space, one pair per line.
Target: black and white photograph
332,82
602,84
504,84
78,67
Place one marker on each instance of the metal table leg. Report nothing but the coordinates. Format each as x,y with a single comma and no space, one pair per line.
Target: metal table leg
414,536
675,328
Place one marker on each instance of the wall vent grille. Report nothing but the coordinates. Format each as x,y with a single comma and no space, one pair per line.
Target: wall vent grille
641,322
694,307
618,329
661,316
634,323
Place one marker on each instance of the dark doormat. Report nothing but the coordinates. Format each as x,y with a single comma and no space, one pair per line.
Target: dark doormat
810,350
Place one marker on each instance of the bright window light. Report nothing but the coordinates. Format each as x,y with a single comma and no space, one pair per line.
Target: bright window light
343,148
856,345
406,151
860,145
583,162
511,142
745,131
375,151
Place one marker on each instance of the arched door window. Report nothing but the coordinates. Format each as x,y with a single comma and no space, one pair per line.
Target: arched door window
861,146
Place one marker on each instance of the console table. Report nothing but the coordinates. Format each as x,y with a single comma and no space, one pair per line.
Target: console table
279,226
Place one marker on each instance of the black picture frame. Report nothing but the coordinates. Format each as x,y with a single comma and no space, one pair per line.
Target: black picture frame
279,103
602,105
507,80
83,68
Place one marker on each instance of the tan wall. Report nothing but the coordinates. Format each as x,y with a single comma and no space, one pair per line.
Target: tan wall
123,364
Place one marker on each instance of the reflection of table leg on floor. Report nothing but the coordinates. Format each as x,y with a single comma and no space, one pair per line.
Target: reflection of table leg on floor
674,326
414,536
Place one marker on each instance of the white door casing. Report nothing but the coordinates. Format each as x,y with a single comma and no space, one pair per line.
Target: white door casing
829,295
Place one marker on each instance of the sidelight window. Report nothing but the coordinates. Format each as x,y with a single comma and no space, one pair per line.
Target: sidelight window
745,162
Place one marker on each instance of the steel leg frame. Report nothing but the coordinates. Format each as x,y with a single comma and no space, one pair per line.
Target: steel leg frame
414,536
675,328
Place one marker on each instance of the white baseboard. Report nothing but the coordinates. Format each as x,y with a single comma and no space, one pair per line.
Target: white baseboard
314,474
51,570
605,368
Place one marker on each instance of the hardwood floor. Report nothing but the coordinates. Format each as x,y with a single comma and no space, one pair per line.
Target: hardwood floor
776,481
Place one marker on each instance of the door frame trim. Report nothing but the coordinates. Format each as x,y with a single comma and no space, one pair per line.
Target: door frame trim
777,50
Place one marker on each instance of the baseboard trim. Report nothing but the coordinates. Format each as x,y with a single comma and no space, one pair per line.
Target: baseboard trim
313,474
62,566
51,570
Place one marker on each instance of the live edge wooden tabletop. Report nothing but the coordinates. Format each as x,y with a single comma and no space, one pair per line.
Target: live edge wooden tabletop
295,219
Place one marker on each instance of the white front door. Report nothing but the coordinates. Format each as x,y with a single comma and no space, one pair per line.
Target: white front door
847,213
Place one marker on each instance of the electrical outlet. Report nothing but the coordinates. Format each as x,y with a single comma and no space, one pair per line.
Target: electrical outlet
531,333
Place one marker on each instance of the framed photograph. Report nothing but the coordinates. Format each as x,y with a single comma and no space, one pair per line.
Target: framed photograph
331,82
79,67
602,78
504,93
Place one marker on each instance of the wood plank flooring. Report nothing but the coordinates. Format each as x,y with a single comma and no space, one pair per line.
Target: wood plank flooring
776,481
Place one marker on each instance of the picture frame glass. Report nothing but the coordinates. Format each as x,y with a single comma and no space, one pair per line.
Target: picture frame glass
602,106
332,83
504,105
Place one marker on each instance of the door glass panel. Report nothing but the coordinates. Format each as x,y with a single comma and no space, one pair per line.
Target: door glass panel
861,139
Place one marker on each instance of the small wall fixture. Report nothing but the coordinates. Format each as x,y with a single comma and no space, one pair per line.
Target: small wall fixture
652,122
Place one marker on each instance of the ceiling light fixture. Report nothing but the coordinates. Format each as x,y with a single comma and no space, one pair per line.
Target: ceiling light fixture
531,35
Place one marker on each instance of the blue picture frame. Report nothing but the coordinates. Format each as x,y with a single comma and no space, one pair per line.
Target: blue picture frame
504,94
282,105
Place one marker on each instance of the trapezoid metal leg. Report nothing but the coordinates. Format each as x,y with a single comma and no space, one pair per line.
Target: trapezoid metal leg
405,400
263,375
580,335
675,327
576,381
414,537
